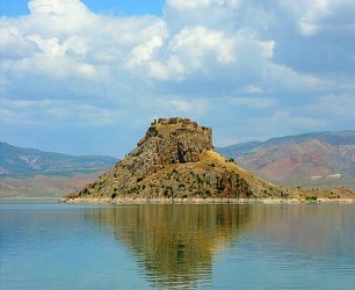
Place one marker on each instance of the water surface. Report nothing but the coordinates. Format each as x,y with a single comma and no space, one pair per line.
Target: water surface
60,246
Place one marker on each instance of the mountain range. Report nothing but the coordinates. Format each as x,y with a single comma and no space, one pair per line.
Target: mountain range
323,159
17,160
26,172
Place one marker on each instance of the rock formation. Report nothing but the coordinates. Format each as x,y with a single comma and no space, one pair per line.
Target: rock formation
175,161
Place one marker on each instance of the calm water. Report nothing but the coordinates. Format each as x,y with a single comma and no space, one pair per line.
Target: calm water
59,246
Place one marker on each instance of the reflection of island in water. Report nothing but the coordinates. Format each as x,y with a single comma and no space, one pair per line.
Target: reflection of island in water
175,243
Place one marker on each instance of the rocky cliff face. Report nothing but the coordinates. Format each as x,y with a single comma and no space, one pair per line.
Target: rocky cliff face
168,142
176,159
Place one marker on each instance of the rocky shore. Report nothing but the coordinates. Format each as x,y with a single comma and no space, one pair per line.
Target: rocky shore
106,200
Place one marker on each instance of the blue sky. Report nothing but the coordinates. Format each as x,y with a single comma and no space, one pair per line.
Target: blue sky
88,77
113,7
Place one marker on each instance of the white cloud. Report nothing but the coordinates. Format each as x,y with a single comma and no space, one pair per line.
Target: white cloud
314,11
144,52
13,44
202,51
193,4
232,64
194,43
315,16
102,47
63,40
55,7
173,68
196,4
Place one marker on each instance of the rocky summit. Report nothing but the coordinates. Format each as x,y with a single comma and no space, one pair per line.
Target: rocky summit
175,161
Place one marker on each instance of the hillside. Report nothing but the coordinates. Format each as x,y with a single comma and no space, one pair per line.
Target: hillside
17,160
175,161
34,173
315,160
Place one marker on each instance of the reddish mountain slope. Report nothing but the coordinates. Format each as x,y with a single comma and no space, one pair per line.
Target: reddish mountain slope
319,159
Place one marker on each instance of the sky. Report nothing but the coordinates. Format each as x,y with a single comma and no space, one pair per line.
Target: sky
88,77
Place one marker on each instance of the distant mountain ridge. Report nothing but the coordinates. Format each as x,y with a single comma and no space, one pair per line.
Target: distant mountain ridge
333,138
325,159
314,159
17,160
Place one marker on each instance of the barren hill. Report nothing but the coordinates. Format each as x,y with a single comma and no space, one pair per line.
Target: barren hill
175,160
30,173
324,159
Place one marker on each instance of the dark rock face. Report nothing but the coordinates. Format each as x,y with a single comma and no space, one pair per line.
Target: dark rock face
176,159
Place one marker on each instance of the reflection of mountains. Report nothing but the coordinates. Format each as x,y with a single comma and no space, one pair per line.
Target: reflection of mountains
312,230
176,242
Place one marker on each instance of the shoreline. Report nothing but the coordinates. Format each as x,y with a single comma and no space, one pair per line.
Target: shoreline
107,200
26,199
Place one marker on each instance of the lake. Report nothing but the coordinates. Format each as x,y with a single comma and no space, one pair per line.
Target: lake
48,245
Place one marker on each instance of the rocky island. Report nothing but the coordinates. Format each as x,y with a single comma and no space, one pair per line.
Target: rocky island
175,162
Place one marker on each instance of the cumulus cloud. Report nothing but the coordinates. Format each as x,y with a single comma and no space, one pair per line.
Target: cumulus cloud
190,50
64,40
194,43
267,62
66,7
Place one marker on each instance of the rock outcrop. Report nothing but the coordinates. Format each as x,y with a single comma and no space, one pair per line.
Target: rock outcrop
175,160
